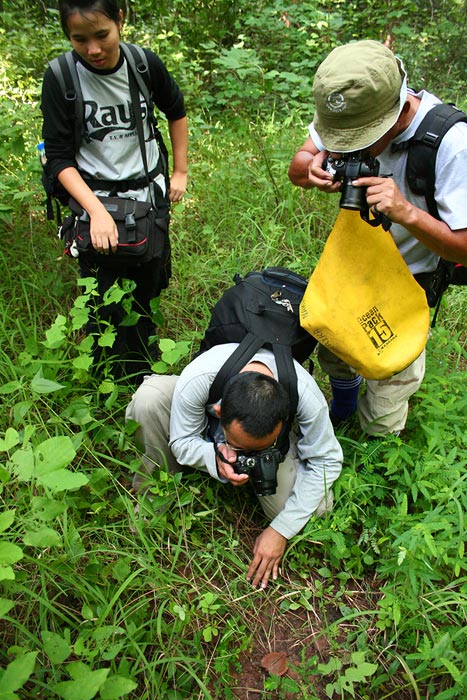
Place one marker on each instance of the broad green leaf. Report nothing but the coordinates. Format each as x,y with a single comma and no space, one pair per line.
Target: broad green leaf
82,362
57,649
360,672
131,319
10,440
17,673
90,285
78,412
166,344
45,537
79,319
107,339
10,387
171,357
46,508
117,687
23,461
10,553
85,687
29,431
107,386
127,285
86,344
7,573
114,295
159,367
6,519
44,386
56,333
333,665
87,612
180,611
63,480
5,606
53,454
102,634
291,77
20,410
358,657
112,651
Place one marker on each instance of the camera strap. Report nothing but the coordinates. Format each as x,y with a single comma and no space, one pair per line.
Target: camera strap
378,219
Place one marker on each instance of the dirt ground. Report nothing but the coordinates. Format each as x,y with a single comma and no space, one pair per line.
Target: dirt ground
282,643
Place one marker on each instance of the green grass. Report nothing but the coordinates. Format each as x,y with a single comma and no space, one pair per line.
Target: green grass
96,602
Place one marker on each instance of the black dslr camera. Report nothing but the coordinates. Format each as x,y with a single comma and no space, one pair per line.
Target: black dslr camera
348,168
261,468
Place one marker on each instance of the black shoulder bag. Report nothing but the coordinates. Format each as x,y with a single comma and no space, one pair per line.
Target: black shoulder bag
142,234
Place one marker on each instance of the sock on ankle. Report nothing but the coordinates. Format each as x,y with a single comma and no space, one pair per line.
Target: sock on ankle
344,396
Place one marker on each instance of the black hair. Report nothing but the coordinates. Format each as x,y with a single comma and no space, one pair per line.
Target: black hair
109,8
257,401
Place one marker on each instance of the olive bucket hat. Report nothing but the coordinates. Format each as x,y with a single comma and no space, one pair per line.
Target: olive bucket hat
359,90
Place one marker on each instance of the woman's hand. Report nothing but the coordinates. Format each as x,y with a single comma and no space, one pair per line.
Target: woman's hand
178,183
104,233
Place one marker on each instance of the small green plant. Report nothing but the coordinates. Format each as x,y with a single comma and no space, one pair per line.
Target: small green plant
350,674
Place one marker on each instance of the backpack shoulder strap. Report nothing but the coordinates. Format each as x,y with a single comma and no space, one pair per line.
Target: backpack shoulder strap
237,360
64,69
287,376
138,63
420,173
423,149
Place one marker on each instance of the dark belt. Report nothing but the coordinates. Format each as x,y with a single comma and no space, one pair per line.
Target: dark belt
121,185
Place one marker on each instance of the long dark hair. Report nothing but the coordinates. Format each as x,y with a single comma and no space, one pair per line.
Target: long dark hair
109,8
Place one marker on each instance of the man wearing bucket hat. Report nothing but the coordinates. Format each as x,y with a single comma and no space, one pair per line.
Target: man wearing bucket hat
362,103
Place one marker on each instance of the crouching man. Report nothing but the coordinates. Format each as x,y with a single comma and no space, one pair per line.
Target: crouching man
246,430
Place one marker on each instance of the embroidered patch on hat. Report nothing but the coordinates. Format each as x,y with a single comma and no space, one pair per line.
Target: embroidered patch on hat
336,102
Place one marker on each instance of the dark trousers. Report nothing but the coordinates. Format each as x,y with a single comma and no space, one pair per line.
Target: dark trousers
131,347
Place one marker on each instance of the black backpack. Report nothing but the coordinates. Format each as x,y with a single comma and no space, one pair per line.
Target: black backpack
261,310
64,69
420,172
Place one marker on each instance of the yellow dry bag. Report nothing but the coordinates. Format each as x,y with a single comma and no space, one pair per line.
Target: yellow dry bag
362,301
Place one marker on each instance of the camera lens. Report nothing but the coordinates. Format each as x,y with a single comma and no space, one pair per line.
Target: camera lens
352,197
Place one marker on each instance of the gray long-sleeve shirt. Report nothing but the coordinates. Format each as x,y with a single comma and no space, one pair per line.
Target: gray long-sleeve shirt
319,453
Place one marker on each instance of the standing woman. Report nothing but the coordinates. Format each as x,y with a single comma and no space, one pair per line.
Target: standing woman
108,160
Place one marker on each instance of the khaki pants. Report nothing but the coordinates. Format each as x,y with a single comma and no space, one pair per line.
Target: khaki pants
150,407
384,405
